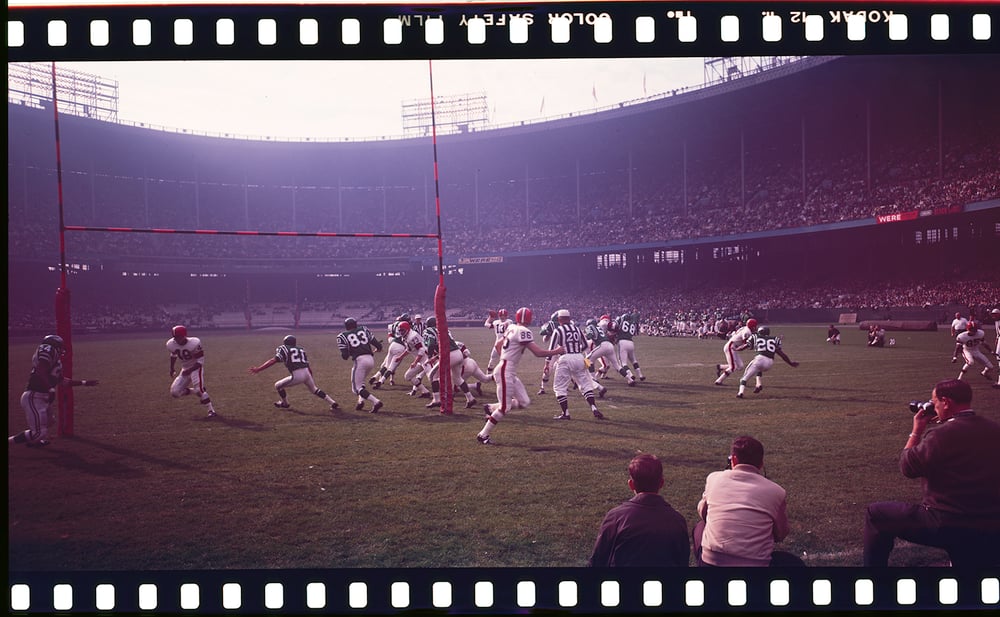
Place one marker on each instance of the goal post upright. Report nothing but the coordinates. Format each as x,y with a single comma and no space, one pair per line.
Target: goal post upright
444,341
64,323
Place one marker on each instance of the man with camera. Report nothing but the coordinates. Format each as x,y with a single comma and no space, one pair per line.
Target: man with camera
742,513
960,509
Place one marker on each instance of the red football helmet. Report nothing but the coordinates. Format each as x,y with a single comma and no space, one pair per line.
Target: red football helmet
179,332
752,324
972,327
502,313
523,316
404,327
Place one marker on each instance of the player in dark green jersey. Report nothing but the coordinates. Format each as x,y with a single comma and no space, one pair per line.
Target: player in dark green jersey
767,347
358,343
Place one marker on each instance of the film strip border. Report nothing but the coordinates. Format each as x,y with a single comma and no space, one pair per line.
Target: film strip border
505,591
474,30
481,31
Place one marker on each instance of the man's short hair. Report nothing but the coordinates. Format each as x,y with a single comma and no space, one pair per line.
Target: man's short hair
749,451
955,389
646,472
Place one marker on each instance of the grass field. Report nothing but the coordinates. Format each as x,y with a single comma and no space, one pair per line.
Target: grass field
148,483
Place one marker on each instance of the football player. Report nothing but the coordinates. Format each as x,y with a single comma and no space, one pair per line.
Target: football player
358,343
40,394
517,339
971,344
498,322
626,328
766,347
295,360
191,379
737,341
600,350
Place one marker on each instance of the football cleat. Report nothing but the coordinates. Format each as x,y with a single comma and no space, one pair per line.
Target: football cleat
372,380
377,406
602,392
359,406
718,370
739,395
334,406
486,441
541,391
433,404
479,388
598,415
377,385
642,378
631,381
413,391
212,414
38,444
562,416
470,404
758,389
282,404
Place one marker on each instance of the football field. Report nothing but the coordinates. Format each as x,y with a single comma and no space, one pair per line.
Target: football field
149,483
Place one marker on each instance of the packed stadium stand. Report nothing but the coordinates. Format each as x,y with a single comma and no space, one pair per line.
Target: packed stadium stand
825,183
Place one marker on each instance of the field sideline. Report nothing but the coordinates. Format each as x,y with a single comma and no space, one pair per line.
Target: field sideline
148,483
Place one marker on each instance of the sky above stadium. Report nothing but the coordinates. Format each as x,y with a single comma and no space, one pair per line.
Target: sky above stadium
332,100
364,98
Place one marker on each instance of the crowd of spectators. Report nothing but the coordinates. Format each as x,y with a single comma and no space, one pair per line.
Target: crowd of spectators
659,309
602,207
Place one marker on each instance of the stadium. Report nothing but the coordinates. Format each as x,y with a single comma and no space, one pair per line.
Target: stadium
809,191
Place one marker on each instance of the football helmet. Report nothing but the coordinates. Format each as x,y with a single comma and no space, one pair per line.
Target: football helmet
591,322
350,323
179,332
432,322
523,316
502,313
289,341
404,327
56,341
404,317
752,324
764,331
605,317
972,327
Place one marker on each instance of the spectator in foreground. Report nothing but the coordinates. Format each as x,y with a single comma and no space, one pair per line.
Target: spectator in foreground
960,509
645,531
742,513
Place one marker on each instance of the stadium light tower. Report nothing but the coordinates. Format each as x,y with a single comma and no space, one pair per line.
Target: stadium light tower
722,69
80,93
458,113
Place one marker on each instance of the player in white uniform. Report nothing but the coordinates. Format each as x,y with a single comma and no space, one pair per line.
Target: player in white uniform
191,379
396,333
498,322
414,344
517,339
971,344
295,360
736,341
40,394
571,366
